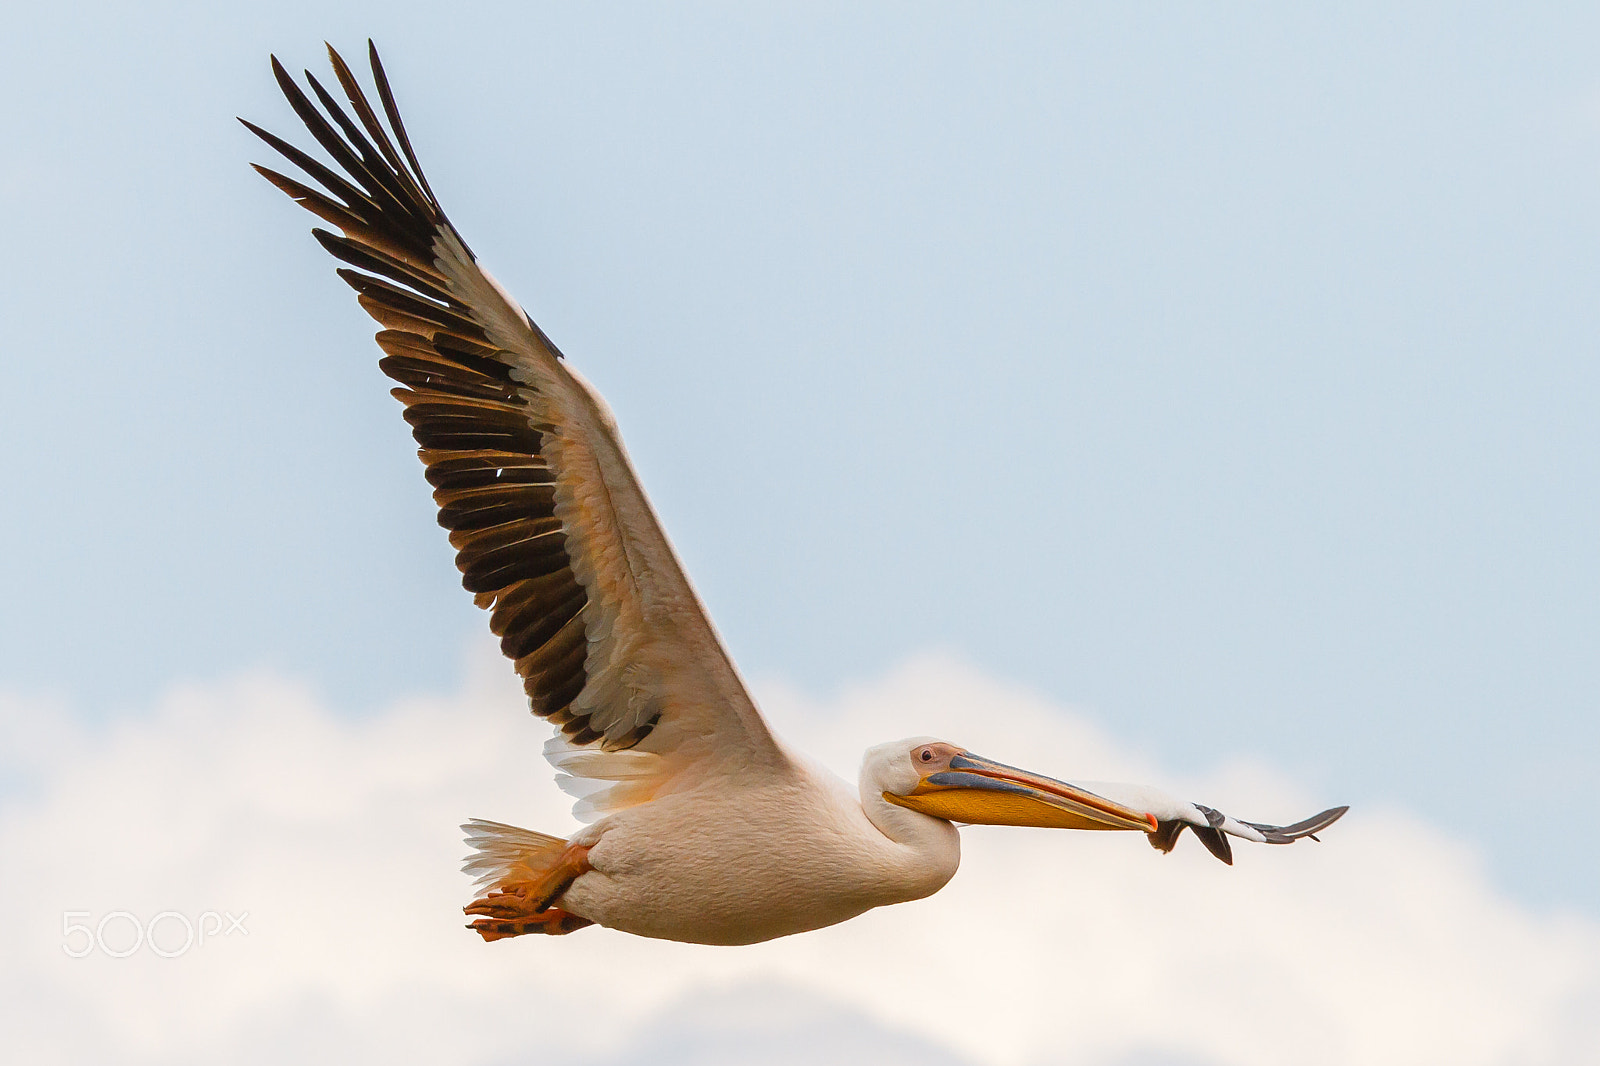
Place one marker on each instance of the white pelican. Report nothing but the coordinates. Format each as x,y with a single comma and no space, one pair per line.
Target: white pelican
702,826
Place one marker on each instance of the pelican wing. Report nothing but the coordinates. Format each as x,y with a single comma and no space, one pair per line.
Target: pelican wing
554,536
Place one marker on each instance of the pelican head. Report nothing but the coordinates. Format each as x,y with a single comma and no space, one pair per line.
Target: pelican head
945,781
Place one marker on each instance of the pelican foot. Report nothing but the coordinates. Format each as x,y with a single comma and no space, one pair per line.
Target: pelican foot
515,901
530,900
553,921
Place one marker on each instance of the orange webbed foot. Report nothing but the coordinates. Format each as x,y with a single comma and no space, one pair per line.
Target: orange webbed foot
513,901
518,907
552,921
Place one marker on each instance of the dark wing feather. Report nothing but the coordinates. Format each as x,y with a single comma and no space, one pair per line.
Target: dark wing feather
484,426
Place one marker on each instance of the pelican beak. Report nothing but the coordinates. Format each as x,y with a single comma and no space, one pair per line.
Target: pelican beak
972,789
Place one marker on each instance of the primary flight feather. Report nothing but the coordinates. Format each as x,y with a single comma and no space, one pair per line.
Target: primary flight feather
702,826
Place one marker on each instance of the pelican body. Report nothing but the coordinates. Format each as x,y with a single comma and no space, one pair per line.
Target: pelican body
702,826
684,866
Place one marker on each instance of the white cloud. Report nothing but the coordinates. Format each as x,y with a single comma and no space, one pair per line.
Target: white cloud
1383,945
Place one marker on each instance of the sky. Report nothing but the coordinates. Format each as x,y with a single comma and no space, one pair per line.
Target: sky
1220,380
331,839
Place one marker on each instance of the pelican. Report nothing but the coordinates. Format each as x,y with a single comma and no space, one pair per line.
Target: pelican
701,826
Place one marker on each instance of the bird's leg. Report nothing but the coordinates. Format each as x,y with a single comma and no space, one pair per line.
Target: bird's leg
524,906
551,920
527,897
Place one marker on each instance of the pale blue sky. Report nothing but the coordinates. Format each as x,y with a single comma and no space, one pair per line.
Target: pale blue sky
1231,372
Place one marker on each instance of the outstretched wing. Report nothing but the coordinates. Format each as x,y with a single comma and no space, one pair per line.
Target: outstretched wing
553,535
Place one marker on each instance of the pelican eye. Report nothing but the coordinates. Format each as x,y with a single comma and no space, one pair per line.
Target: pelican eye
927,755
